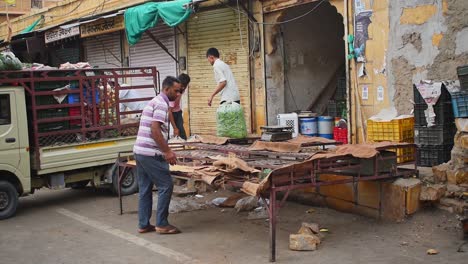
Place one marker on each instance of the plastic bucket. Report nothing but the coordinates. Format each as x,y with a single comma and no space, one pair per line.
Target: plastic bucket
308,126
325,126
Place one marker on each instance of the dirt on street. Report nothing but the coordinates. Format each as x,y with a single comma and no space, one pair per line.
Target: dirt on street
94,232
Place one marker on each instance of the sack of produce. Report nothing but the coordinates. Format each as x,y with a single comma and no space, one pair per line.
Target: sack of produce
230,121
10,62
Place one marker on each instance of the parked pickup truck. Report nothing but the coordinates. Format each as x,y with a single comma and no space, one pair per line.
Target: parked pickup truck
65,128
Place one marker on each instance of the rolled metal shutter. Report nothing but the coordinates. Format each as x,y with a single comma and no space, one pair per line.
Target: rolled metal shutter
148,53
217,28
104,51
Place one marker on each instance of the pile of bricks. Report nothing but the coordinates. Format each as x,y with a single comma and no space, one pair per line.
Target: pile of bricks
448,186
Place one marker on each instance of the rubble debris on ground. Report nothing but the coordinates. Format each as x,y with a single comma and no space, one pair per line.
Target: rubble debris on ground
246,204
182,191
232,200
448,183
432,193
179,205
258,213
432,252
218,201
307,238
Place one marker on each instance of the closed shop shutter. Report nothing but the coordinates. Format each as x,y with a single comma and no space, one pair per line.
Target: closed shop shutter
67,52
104,51
217,28
148,53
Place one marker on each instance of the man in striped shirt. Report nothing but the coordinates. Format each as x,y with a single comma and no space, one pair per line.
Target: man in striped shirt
153,157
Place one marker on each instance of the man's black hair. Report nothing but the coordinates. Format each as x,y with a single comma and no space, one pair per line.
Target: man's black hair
212,52
169,82
184,79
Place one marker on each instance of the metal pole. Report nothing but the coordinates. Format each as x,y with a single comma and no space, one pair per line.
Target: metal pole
272,224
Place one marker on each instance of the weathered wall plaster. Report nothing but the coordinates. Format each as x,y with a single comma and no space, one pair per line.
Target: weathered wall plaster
428,40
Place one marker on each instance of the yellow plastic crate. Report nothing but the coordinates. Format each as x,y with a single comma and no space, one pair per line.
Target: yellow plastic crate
397,130
405,151
404,154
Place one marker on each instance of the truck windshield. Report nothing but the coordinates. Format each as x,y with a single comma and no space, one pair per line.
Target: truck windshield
5,112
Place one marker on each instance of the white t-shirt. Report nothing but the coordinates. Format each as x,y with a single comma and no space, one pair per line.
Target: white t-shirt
222,73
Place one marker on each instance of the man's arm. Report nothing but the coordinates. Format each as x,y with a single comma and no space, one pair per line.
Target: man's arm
173,123
158,137
219,88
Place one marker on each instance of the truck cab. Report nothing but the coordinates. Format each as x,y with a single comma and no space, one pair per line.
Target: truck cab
15,169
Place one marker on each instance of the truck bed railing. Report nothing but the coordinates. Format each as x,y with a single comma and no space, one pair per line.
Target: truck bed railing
83,105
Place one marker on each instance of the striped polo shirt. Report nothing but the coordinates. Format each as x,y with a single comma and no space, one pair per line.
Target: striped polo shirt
156,110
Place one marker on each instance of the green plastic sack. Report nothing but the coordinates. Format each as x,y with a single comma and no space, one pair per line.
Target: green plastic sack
230,121
10,62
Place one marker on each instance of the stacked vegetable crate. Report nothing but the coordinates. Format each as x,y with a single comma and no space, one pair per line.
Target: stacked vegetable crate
434,142
397,130
460,98
43,100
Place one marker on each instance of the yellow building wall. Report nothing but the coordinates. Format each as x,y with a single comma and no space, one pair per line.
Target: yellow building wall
375,54
67,11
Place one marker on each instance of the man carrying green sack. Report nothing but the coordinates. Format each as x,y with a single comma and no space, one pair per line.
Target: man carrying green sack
230,120
226,84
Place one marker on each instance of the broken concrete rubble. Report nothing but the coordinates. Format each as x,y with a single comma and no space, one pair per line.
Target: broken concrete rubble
258,213
432,193
453,175
303,242
459,176
313,227
246,204
307,238
457,205
440,173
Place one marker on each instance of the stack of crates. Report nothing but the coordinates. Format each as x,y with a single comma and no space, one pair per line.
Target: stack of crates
436,142
460,99
399,130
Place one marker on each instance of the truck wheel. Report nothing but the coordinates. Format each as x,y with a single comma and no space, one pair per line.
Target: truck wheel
129,183
8,200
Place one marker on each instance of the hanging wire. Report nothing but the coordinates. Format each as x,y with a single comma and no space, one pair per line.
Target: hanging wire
257,24
276,23
97,7
74,9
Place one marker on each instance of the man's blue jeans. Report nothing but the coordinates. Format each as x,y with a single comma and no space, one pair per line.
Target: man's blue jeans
153,170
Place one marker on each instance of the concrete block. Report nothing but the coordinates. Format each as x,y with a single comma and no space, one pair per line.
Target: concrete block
432,193
457,205
412,188
461,140
311,226
369,194
440,173
350,207
339,191
454,191
459,176
393,202
303,242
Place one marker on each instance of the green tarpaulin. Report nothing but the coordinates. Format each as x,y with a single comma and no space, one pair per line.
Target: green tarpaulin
32,26
143,17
